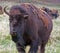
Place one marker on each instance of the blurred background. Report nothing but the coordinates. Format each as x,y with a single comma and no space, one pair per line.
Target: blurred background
8,46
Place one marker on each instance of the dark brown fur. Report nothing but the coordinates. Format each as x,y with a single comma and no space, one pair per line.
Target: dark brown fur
33,30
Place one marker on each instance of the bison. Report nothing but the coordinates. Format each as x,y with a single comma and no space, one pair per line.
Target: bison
29,25
53,12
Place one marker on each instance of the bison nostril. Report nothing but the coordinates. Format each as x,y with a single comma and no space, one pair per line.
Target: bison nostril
14,25
13,33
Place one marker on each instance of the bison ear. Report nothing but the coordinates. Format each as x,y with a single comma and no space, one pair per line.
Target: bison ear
25,16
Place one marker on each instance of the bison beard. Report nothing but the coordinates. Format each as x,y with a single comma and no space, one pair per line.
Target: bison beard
29,26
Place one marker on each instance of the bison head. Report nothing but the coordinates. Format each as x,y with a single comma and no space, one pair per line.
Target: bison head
53,13
17,19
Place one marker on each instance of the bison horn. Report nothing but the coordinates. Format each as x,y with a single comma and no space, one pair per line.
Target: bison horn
5,10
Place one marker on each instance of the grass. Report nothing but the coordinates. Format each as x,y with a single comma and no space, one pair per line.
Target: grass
8,46
53,45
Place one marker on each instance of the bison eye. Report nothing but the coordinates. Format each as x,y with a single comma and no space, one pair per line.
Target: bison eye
18,17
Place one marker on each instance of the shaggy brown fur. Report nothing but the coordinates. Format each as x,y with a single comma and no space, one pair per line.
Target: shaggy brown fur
29,26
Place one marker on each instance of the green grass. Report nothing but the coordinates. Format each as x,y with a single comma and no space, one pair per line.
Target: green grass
8,46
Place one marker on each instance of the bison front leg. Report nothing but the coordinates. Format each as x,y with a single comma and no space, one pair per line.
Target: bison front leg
42,50
34,37
34,47
43,43
20,48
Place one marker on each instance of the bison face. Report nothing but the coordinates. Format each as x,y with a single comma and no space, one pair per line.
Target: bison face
17,25
17,22
54,13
